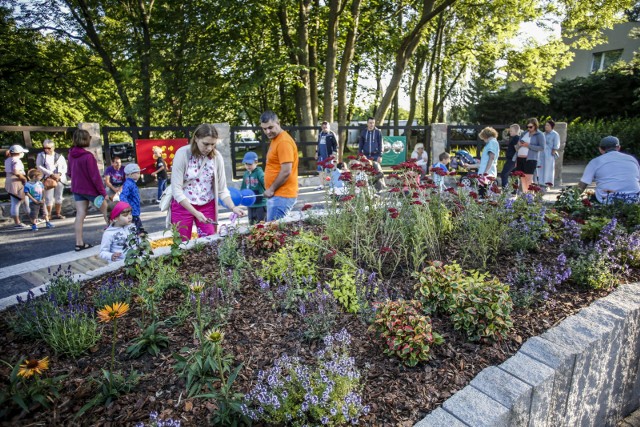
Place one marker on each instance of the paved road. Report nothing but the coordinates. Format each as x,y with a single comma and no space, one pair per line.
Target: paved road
18,246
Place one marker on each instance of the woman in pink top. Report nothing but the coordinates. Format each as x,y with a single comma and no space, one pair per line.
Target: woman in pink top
86,183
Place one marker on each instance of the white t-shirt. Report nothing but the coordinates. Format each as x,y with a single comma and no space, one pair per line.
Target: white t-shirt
523,151
613,172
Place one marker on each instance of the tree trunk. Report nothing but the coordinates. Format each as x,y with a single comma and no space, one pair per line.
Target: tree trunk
330,67
407,48
415,82
345,65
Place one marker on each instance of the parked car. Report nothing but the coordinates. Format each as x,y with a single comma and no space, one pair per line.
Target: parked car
246,143
124,150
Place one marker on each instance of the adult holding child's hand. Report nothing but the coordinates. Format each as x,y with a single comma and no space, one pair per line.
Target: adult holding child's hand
197,182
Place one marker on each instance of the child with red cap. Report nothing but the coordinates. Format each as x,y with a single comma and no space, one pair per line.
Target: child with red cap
114,239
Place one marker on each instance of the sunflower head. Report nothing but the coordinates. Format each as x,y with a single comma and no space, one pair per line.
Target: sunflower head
33,366
197,286
112,312
214,335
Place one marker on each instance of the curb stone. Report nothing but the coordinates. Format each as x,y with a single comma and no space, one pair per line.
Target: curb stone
584,371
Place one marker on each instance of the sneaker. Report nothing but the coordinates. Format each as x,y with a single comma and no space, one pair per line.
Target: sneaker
49,225
21,226
158,201
34,227
320,187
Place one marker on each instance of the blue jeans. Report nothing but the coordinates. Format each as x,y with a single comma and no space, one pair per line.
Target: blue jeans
162,184
509,165
279,207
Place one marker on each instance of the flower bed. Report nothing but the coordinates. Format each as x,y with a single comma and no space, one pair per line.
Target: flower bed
374,313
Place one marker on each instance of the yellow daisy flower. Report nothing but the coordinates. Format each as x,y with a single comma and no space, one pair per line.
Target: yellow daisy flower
112,312
33,366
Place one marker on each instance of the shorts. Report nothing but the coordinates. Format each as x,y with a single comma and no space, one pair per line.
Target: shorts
530,167
80,197
520,161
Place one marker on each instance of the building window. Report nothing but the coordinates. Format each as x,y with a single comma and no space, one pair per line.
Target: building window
603,60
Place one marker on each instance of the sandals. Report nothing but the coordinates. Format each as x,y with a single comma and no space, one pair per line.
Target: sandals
83,247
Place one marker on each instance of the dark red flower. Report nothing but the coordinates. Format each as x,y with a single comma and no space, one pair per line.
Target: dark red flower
394,215
260,226
392,210
586,203
473,195
495,189
360,184
519,174
394,190
416,202
325,237
385,249
306,207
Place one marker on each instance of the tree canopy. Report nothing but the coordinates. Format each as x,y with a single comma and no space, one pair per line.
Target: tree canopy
161,62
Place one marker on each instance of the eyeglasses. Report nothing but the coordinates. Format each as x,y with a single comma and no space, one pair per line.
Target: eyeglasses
47,148
530,127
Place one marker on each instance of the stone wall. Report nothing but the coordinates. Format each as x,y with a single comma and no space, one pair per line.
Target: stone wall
582,372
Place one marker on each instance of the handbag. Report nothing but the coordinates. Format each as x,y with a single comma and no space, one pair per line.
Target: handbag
49,183
165,199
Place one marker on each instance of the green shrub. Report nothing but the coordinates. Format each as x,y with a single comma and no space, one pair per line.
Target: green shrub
406,331
299,259
478,304
343,283
481,306
434,285
583,137
592,270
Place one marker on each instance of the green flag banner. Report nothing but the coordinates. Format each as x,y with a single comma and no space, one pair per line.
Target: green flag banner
394,150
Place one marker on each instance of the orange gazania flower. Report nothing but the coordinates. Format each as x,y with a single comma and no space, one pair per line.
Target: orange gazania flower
112,312
33,366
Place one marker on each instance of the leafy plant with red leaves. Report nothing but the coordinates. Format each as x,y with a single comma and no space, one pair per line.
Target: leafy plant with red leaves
266,238
407,333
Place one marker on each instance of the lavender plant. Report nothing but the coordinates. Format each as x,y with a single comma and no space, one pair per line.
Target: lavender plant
70,328
318,312
296,394
156,421
26,317
602,263
113,289
530,284
525,232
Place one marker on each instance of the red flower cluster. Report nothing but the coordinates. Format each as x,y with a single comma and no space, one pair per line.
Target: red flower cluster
495,189
518,174
361,184
306,207
586,203
535,188
473,195
385,250
438,171
394,190
347,198
345,177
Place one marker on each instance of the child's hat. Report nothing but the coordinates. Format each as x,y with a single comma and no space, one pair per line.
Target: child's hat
250,157
16,149
131,168
117,209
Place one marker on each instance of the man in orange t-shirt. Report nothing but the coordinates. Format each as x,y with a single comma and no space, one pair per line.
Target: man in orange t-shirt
281,172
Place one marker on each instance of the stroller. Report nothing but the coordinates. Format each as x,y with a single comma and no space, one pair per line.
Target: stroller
460,159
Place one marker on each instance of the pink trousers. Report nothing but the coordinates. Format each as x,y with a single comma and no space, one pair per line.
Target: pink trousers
184,219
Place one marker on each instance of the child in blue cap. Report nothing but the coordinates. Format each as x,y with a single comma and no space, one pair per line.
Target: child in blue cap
253,179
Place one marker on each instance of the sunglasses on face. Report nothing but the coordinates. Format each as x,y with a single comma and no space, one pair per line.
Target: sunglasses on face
530,127
47,148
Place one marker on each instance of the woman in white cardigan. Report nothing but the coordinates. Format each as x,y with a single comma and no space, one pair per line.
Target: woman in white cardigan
197,182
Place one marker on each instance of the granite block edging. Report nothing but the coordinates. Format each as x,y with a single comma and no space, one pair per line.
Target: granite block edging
582,372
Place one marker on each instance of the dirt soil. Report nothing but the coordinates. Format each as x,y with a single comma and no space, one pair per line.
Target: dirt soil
256,335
